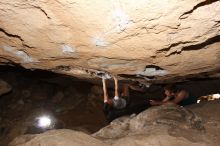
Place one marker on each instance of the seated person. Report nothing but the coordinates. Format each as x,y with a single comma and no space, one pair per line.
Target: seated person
119,106
177,96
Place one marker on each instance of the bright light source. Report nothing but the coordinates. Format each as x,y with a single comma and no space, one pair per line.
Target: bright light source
44,122
198,101
216,96
209,97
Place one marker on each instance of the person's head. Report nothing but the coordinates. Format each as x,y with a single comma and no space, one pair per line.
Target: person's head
170,89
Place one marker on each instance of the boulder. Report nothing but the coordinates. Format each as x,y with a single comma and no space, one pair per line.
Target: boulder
167,125
4,87
62,137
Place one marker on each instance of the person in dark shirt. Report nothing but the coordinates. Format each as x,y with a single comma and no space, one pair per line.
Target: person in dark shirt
175,95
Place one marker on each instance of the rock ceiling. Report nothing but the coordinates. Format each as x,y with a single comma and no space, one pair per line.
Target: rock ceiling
147,40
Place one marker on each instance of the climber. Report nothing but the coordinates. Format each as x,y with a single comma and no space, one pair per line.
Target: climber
175,95
119,105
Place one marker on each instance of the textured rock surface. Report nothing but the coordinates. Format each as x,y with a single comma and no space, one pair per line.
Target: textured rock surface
58,138
156,126
4,87
166,125
167,40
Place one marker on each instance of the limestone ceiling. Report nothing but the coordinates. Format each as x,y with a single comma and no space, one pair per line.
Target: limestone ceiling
148,40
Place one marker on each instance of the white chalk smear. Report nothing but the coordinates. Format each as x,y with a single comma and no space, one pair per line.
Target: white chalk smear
20,54
67,49
153,72
121,19
100,42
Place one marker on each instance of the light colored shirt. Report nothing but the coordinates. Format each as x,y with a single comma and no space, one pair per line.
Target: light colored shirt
119,103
